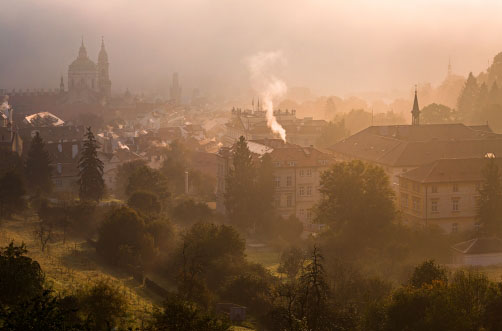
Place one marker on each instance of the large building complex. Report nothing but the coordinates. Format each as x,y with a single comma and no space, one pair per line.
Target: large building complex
297,173
253,125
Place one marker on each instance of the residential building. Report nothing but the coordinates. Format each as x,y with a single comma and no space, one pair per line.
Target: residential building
252,125
443,192
297,173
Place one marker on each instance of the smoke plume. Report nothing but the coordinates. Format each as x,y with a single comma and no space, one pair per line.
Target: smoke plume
5,104
268,86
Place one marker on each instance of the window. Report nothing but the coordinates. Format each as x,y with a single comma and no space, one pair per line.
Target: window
416,187
277,201
434,189
323,162
434,206
416,203
404,200
404,183
289,200
277,164
454,227
454,204
302,191
59,167
288,181
74,150
309,215
308,172
309,190
302,213
455,187
277,181
302,173
58,182
291,163
478,187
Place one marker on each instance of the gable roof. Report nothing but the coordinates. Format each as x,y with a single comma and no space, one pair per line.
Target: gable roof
405,145
479,246
449,170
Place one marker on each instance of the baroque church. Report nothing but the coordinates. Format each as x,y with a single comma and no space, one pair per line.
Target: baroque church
88,82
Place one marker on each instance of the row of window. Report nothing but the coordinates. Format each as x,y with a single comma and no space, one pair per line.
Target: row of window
289,179
303,191
416,203
434,188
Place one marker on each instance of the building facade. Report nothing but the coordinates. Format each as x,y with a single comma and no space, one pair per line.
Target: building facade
444,192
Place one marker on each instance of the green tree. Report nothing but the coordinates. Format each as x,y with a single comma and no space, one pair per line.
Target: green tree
466,103
239,203
332,133
489,208
124,171
147,179
38,169
21,278
264,191
182,315
102,305
175,165
437,114
189,211
427,273
145,203
123,238
356,200
92,185
11,194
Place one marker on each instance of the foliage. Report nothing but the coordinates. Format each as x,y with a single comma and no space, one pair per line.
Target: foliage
21,278
11,194
38,169
239,200
489,208
124,171
467,100
11,162
332,133
92,185
102,305
175,165
344,189
42,312
292,260
437,114
427,273
145,203
181,315
189,211
147,179
123,238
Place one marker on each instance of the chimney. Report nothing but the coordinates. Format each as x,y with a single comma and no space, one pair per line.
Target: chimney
186,182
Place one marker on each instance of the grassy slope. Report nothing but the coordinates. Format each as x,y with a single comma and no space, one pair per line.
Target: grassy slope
71,265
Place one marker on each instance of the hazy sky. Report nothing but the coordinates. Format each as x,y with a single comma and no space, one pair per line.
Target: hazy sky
333,47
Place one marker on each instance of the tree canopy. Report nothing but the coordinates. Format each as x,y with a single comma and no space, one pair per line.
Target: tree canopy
38,169
92,185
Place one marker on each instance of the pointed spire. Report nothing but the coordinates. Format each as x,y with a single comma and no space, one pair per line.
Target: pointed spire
82,52
102,56
415,112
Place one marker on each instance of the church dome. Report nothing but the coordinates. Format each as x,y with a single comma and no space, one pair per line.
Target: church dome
82,63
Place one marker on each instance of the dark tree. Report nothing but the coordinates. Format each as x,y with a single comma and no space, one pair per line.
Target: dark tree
189,211
467,100
437,114
124,171
146,203
181,315
332,133
92,185
21,278
489,209
123,238
11,194
38,169
427,273
239,203
147,179
356,200
264,193
174,166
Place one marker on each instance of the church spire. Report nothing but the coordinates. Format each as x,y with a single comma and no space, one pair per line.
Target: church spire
82,52
102,56
415,113
61,85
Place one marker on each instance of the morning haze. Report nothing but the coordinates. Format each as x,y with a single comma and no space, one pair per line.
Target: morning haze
250,165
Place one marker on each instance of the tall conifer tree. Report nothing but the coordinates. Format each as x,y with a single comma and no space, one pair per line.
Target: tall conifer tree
467,100
489,211
91,181
240,187
38,169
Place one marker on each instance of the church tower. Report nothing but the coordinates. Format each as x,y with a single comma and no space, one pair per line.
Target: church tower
104,82
61,85
415,113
